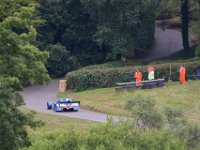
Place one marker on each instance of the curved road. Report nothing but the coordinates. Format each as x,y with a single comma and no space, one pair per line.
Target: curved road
168,41
35,97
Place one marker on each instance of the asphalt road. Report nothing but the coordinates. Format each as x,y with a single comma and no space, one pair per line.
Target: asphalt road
167,42
35,97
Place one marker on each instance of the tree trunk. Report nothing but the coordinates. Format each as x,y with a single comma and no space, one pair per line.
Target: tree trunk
185,22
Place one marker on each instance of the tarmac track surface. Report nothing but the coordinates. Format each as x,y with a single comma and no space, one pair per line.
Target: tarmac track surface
167,42
36,97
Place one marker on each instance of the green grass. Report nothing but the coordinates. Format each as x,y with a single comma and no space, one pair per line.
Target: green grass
106,100
55,123
195,29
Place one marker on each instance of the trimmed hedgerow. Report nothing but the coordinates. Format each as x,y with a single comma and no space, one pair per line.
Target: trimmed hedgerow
197,52
100,78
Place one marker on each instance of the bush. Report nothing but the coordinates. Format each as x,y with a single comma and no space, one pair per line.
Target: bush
144,112
174,117
60,62
195,28
111,136
197,52
100,78
139,101
191,134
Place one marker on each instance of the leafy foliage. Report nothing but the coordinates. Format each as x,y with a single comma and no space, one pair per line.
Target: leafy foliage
12,121
111,136
197,52
191,133
168,9
195,28
144,112
21,63
174,117
13,132
17,37
125,134
59,62
94,35
68,22
10,82
124,25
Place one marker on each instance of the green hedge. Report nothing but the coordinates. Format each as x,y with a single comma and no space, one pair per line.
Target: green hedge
100,78
197,52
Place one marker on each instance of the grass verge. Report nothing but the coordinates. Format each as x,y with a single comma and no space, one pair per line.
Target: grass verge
186,97
55,123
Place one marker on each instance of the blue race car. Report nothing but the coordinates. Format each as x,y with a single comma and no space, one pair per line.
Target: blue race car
64,104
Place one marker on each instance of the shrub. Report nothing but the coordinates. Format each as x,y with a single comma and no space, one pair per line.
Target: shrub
139,101
197,52
126,136
174,117
144,112
60,62
100,78
195,28
111,136
191,134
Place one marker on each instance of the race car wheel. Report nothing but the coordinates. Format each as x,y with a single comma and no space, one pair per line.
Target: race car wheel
50,107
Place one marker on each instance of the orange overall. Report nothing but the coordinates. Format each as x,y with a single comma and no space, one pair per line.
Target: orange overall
138,78
182,72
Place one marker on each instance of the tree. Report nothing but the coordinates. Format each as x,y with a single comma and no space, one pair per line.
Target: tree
13,132
60,62
196,18
185,24
69,23
20,63
19,56
197,52
168,9
124,25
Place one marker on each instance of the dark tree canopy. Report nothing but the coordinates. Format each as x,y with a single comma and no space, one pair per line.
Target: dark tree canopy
68,22
94,31
124,25
59,61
